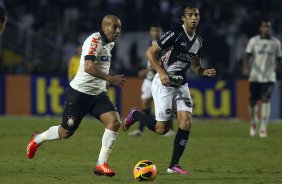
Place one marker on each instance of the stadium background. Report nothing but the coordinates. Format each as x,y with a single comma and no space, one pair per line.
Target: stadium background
42,36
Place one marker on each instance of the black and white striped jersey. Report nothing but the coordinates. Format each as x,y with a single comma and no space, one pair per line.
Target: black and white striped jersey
181,48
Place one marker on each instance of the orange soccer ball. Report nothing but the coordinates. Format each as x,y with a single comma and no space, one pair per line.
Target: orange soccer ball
145,170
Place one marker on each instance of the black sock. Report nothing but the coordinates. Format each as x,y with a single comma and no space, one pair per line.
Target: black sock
146,112
180,142
146,120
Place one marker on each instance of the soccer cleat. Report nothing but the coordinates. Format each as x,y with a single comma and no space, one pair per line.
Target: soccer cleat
177,169
169,133
104,169
32,146
129,119
136,132
253,131
263,134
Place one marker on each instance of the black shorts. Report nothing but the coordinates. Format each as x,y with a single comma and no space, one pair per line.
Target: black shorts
78,104
260,90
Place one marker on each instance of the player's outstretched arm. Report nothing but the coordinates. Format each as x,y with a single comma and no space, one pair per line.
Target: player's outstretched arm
197,68
92,69
151,55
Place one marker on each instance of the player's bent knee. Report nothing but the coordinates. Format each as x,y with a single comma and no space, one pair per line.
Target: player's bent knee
161,130
114,124
65,135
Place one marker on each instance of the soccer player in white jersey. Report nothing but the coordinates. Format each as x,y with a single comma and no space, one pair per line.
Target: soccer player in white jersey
170,88
87,94
266,51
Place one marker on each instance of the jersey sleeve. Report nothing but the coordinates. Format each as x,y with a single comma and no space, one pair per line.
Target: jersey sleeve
92,47
250,46
167,40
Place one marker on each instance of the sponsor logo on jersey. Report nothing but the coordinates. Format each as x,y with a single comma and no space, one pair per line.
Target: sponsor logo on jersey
184,56
264,51
93,46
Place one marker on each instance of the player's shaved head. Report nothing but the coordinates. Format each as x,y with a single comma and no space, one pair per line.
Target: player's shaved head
109,19
111,26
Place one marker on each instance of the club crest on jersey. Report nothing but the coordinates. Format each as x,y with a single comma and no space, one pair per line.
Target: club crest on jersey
195,47
70,121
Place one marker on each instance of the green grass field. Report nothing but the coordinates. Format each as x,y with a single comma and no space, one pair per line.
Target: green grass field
218,152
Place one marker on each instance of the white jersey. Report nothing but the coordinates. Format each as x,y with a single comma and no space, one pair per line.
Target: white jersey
265,52
101,51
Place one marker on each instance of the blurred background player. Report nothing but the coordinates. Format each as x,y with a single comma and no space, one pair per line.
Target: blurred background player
3,19
87,94
169,87
148,74
266,50
74,63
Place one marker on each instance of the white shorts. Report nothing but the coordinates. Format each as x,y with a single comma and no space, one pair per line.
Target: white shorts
169,100
146,92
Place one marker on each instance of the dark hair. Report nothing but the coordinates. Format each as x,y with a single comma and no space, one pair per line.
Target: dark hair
180,12
155,25
3,14
265,19
260,21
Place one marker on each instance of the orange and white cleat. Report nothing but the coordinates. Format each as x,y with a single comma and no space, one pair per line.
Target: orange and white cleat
32,146
104,169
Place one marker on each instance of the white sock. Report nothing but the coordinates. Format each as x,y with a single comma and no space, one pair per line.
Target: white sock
253,114
49,135
108,141
265,113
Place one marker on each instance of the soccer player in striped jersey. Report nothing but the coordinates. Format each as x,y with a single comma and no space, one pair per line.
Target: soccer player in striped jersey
170,88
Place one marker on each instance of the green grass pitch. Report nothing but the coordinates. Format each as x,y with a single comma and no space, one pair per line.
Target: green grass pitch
218,152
